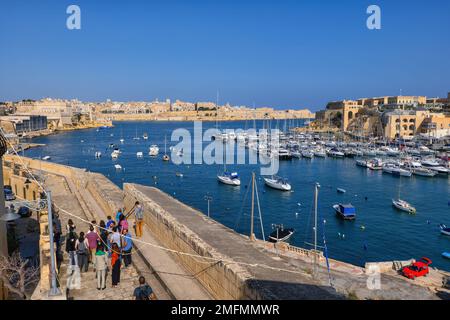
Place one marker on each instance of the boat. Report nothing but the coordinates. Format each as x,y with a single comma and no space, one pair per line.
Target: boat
153,150
179,174
307,154
145,136
280,234
118,167
165,156
340,190
98,154
335,153
140,154
115,154
277,183
345,211
136,136
444,229
320,153
231,179
122,140
361,163
397,171
424,172
296,154
46,158
403,206
375,164
284,154
446,255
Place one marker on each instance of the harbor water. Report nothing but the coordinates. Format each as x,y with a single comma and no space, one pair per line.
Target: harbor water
379,233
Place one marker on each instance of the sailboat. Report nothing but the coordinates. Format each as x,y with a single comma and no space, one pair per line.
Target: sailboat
277,183
122,140
166,156
228,178
402,205
136,136
145,136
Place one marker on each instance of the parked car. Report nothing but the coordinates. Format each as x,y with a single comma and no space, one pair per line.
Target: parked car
9,195
24,212
417,269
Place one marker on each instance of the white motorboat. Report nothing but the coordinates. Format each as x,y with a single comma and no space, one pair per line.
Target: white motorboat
46,158
361,163
375,164
231,179
336,153
277,183
153,150
403,206
145,136
118,167
296,154
397,171
122,140
320,153
98,154
307,154
424,172
140,154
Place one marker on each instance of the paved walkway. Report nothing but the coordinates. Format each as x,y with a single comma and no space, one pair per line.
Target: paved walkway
63,196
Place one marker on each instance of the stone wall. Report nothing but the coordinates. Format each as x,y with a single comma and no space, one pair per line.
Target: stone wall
221,280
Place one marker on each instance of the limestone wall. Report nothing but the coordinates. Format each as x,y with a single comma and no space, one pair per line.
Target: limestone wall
223,281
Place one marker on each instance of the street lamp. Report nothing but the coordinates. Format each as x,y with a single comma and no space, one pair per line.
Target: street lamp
209,199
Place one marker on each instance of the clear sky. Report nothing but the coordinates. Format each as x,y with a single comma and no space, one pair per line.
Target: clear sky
274,53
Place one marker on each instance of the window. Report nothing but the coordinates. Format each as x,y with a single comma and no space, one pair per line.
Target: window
411,127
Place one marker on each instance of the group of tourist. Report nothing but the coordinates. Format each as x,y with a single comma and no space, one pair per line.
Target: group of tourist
107,246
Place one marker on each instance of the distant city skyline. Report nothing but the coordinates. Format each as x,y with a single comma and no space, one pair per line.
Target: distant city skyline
289,54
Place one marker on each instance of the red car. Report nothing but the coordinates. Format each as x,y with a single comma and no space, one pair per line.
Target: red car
417,269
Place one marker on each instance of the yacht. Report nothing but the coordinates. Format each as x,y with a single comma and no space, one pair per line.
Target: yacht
98,154
153,150
284,154
435,166
375,164
277,183
403,206
296,154
361,163
118,167
444,229
145,136
396,170
307,154
424,172
320,153
46,158
231,179
140,154
335,153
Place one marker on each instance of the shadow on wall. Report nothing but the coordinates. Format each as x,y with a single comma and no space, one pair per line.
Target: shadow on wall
276,290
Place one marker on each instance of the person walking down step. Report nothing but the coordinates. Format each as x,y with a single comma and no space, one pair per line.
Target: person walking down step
143,291
115,265
139,218
100,265
71,242
92,237
127,246
82,246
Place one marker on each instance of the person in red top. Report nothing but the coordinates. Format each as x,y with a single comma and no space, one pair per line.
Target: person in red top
92,238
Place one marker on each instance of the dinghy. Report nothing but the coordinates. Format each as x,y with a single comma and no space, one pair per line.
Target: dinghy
446,255
345,211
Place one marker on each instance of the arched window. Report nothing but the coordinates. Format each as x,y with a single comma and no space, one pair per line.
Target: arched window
350,115
397,120
405,120
411,127
405,127
412,120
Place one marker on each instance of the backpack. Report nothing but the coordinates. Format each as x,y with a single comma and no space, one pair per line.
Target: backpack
142,294
82,248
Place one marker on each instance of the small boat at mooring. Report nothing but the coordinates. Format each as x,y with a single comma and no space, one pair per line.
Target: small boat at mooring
446,255
340,190
345,211
231,179
444,229
278,183
280,234
403,206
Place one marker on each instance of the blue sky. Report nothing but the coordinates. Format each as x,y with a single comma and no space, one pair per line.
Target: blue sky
273,53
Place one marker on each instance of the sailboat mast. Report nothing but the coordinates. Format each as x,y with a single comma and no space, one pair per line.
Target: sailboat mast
316,196
252,238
